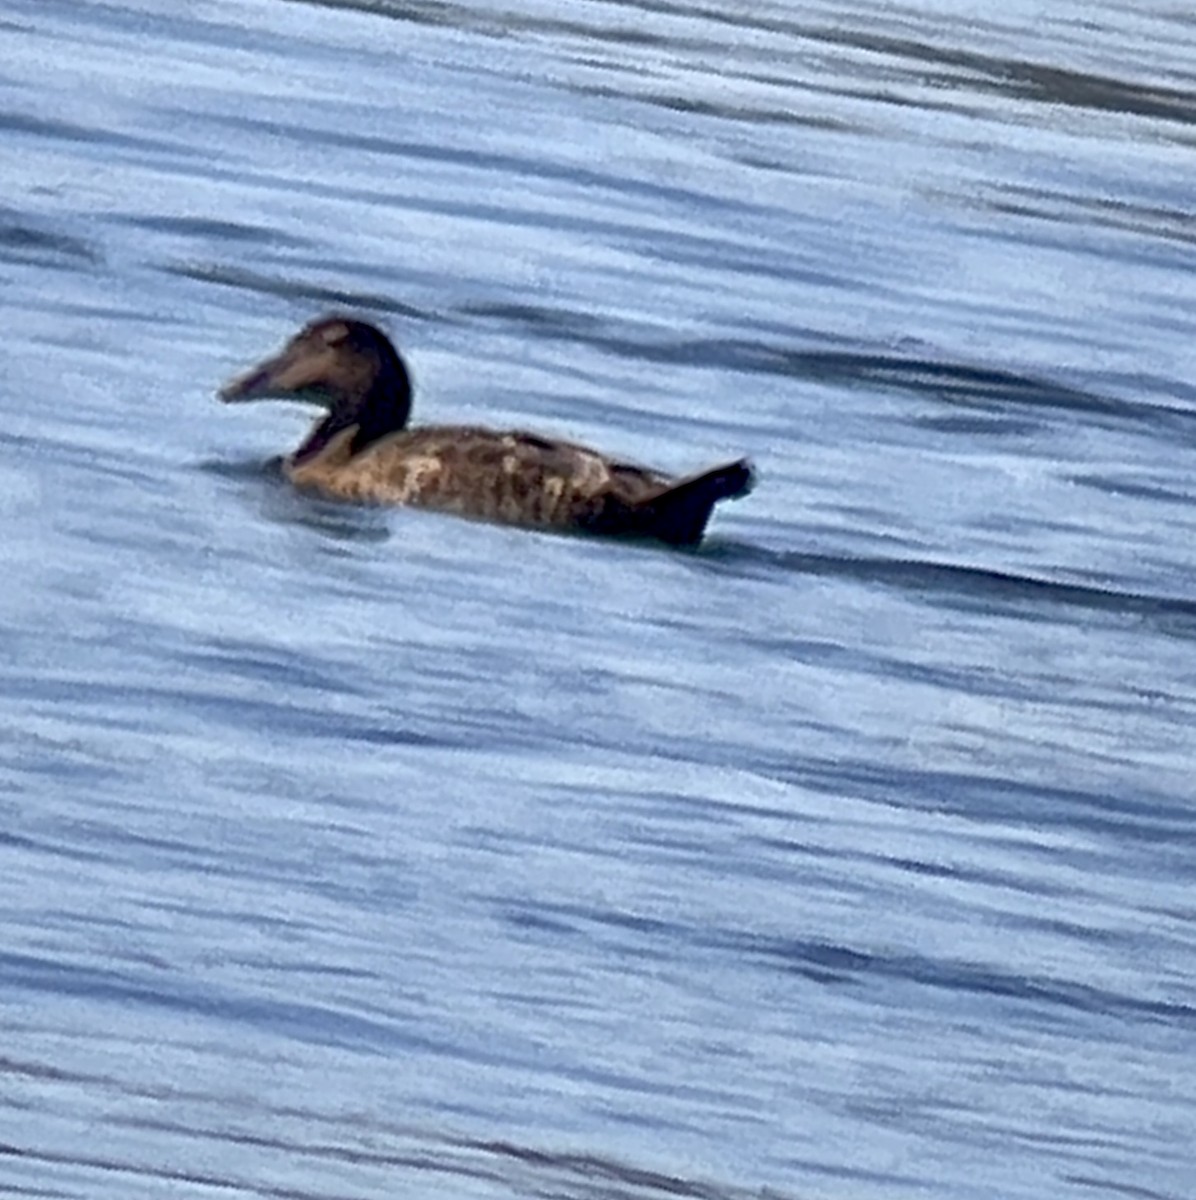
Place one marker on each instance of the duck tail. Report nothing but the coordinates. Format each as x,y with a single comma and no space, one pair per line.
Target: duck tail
677,514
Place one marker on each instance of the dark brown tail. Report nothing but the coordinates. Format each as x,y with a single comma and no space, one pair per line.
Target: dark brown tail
678,513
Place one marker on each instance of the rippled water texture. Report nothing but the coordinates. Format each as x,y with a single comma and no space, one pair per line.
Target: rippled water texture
350,853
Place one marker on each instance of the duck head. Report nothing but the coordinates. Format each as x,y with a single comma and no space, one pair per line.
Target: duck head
346,366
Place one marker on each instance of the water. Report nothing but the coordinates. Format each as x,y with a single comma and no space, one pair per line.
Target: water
350,853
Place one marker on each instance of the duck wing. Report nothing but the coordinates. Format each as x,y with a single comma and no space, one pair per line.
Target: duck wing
513,477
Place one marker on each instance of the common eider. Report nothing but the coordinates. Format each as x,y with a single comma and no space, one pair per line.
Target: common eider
361,450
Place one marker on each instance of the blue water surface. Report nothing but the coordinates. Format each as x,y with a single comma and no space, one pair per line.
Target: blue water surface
349,853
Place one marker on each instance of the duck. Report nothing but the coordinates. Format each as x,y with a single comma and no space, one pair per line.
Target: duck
362,450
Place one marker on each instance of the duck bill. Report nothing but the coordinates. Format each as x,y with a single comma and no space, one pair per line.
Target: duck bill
281,378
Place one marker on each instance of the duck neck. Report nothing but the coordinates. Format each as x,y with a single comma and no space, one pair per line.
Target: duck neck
383,410
318,440
385,407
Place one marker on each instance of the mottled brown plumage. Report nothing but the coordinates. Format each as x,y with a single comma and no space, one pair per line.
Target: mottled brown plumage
361,450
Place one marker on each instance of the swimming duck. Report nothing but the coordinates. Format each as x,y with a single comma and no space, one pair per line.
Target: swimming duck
362,450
